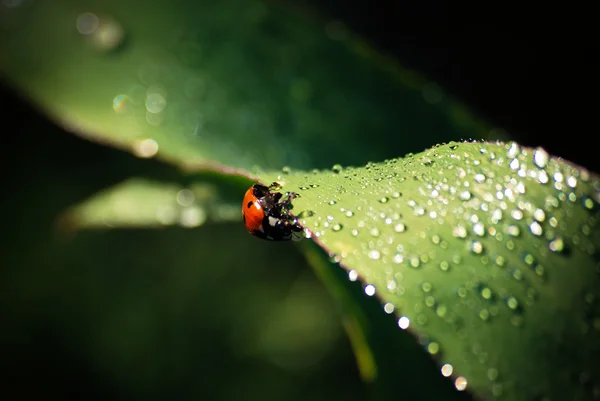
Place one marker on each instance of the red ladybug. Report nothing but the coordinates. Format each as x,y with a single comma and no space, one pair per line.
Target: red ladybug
266,215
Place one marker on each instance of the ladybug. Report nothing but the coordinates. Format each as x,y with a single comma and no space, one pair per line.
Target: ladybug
267,215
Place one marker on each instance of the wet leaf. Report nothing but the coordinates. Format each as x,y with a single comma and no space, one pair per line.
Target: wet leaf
486,252
389,359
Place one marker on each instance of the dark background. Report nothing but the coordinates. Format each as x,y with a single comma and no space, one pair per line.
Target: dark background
526,70
524,66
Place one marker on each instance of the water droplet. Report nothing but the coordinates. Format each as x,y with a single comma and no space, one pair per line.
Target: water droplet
447,370
306,213
476,247
337,168
459,231
145,148
536,228
539,270
433,348
353,275
517,274
587,202
155,101
414,262
374,254
426,286
539,215
513,150
399,228
385,199
87,23
388,308
556,245
104,33
370,290
499,260
441,310
460,383
192,217
486,293
529,259
337,227
512,303
404,322
513,230
516,214
540,157
185,197
465,195
479,229
496,216
121,103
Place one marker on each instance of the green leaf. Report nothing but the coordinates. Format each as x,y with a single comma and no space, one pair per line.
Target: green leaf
224,85
380,349
141,202
486,252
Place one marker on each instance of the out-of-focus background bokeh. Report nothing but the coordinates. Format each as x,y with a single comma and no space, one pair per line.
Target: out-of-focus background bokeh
212,313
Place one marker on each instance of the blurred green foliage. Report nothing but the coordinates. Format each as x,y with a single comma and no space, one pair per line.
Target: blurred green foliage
208,83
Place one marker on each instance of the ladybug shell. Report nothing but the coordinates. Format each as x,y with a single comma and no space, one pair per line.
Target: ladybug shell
253,212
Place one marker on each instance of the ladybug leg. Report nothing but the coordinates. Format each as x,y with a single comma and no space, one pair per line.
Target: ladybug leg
286,204
291,196
276,197
293,225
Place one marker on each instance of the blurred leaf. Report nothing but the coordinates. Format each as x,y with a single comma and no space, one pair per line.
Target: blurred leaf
144,203
226,85
487,252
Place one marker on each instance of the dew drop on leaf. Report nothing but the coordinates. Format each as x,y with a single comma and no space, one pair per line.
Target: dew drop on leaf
540,157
